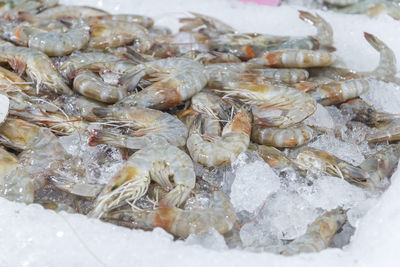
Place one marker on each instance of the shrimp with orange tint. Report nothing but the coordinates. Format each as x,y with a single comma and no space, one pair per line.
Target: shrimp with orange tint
219,215
160,164
295,59
145,21
224,149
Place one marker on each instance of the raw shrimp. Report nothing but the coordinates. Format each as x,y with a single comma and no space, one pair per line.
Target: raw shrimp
295,59
92,86
324,30
139,19
224,149
8,162
389,132
365,113
152,128
10,81
55,43
213,26
37,65
309,158
382,164
70,11
319,234
115,33
293,136
277,160
338,92
273,105
159,164
220,215
176,80
385,69
11,9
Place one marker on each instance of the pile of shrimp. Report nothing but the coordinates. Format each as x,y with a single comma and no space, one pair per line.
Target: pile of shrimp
120,83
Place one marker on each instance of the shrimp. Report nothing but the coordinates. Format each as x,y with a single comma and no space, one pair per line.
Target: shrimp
382,164
176,80
365,113
224,149
159,164
70,12
309,158
220,215
319,234
10,81
389,132
295,59
37,65
277,159
324,30
145,21
213,26
385,69
152,128
338,92
11,9
115,33
85,60
54,43
293,136
92,86
273,105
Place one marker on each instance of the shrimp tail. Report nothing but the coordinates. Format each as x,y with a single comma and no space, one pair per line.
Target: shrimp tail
134,56
387,58
355,174
175,197
324,30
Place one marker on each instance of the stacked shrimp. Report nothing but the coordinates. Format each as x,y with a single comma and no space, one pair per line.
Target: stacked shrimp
119,81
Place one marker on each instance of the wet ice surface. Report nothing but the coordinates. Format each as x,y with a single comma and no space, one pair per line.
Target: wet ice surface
32,236
385,97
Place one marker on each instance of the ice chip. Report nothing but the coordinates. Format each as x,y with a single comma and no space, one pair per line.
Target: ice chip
211,240
320,118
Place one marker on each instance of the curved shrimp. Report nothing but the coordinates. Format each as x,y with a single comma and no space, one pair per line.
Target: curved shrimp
319,234
55,43
212,25
324,30
176,80
224,149
273,105
92,86
38,67
309,158
293,136
158,164
220,215
338,92
151,127
115,33
382,164
295,59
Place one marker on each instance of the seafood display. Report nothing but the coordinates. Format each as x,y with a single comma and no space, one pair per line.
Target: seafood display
105,115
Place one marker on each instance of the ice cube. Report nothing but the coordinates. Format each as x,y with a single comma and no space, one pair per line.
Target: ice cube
346,151
284,217
331,192
320,118
253,183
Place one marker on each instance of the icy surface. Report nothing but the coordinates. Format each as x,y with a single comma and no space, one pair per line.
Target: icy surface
385,97
320,118
4,105
252,185
31,236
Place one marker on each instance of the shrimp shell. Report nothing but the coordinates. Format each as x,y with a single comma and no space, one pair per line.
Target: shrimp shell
295,59
292,136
